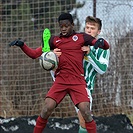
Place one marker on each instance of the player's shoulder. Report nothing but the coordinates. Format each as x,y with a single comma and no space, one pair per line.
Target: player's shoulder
82,35
96,51
102,52
54,38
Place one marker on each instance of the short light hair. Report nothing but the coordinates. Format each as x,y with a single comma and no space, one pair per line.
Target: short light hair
90,19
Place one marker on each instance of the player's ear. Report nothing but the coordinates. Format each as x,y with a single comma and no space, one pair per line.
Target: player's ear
99,31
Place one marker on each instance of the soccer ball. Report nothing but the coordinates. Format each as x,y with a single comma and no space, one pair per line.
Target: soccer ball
48,61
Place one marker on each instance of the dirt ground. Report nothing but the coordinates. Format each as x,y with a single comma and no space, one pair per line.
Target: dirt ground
113,124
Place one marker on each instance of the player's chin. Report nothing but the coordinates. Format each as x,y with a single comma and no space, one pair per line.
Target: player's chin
65,34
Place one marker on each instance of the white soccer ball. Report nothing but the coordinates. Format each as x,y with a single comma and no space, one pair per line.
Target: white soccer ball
48,61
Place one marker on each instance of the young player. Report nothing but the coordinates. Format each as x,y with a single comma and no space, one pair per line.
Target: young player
95,61
69,74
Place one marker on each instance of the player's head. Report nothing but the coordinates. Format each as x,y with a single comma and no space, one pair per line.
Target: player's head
66,24
93,26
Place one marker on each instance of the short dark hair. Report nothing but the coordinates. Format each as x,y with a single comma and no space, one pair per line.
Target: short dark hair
94,20
66,16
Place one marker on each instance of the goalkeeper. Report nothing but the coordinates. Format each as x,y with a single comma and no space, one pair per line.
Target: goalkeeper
95,61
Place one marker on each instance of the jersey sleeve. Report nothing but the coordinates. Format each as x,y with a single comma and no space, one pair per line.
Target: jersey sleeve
90,40
100,62
32,53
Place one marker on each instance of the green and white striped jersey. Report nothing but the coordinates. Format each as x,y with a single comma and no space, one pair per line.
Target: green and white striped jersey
95,62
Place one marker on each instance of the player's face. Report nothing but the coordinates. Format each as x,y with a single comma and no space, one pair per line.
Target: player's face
92,29
66,27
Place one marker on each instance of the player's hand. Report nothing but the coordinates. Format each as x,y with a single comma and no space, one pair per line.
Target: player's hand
86,49
17,42
57,51
99,43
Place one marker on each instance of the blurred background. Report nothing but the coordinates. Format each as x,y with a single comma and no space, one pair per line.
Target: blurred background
23,83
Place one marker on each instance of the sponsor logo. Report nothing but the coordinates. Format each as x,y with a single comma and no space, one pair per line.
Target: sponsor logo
57,41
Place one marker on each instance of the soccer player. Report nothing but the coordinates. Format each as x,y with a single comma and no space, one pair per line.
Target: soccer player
69,74
95,61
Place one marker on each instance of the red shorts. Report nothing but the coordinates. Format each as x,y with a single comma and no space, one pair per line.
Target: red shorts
77,92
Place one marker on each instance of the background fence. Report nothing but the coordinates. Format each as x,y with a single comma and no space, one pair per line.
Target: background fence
23,83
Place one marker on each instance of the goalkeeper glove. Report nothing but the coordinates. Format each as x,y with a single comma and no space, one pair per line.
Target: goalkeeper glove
17,42
99,43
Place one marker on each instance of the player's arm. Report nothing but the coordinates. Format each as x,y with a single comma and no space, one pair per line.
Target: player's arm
101,62
32,53
101,43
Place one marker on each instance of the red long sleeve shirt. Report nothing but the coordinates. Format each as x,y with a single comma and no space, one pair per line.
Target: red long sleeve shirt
71,59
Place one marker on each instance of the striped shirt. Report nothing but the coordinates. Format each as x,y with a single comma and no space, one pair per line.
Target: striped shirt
95,62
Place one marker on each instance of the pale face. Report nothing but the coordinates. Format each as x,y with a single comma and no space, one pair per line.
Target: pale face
92,29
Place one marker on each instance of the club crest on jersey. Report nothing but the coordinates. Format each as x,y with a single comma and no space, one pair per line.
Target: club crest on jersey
75,38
